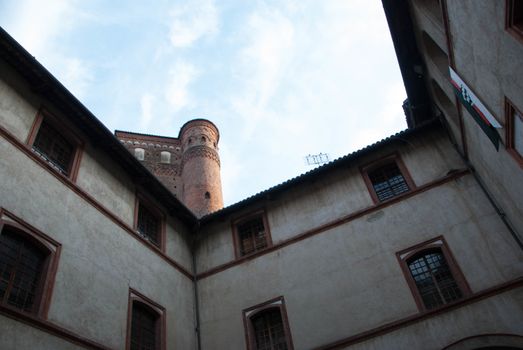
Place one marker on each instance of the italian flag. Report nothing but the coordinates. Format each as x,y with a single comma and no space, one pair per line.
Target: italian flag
477,110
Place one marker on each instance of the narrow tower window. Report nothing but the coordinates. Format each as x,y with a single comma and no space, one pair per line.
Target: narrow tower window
139,153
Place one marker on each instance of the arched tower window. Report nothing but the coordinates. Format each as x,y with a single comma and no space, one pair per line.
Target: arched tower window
139,153
165,157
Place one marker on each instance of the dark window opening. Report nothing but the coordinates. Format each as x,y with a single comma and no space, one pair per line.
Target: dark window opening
269,331
515,15
54,148
144,328
207,195
148,224
388,181
252,236
21,271
434,280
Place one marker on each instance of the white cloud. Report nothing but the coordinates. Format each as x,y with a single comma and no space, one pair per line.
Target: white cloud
177,94
262,64
192,21
147,102
36,23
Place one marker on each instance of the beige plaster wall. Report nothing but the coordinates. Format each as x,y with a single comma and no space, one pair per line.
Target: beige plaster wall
24,337
99,261
489,59
500,314
326,199
349,277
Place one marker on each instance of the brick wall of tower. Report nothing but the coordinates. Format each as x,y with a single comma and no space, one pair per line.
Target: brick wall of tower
189,166
200,168
167,170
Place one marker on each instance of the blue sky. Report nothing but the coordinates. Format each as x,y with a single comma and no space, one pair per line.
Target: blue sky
280,79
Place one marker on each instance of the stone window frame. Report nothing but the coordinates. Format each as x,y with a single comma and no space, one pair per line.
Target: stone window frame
512,25
143,200
248,313
511,111
67,133
52,250
246,218
440,243
161,323
379,163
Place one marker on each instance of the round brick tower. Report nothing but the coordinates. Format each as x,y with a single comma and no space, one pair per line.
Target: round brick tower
200,168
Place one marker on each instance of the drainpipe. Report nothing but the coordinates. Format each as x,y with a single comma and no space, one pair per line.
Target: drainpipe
195,284
485,190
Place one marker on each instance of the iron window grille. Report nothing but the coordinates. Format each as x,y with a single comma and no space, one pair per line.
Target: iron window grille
514,131
514,20
144,328
388,181
22,266
148,225
252,236
269,331
54,148
433,278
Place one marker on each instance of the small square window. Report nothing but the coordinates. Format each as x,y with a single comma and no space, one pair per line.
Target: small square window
149,222
387,179
57,146
251,234
514,17
514,120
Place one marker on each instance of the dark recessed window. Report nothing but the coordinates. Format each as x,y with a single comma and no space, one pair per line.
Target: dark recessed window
514,120
267,326
148,224
388,181
54,148
514,20
22,265
269,332
145,325
434,280
252,236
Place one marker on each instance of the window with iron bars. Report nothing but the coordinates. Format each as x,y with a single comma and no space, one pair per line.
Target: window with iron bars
21,271
433,278
54,148
252,236
148,225
144,328
269,331
388,181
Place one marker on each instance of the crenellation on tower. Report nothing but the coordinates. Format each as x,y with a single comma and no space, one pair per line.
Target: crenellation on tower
189,166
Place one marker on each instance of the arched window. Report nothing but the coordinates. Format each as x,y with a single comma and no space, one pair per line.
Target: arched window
27,261
267,326
268,330
139,153
433,278
433,275
146,324
144,329
165,157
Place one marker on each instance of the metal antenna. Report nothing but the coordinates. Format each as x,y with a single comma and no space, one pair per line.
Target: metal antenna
317,159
